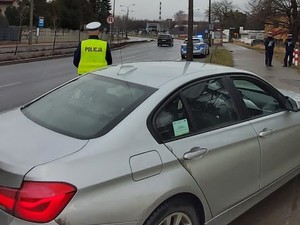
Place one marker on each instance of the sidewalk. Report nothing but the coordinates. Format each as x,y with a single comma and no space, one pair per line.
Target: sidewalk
283,206
254,61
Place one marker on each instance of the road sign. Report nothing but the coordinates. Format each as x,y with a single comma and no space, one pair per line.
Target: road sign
41,22
110,20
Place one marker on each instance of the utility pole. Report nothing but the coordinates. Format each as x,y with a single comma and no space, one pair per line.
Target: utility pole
30,23
189,53
209,23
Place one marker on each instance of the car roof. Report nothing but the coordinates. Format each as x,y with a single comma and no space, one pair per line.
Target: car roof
156,74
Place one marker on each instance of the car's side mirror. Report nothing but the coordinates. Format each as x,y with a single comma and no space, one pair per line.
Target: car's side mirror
291,105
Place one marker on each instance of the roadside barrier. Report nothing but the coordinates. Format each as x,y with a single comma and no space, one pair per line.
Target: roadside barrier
295,57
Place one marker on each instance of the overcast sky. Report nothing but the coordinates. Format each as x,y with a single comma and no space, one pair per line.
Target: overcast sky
149,9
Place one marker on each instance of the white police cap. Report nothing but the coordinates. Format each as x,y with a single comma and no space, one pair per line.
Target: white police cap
93,26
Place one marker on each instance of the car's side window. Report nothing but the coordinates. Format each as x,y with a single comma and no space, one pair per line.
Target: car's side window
172,120
210,104
258,100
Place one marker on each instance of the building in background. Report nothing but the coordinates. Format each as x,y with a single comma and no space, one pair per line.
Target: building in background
152,28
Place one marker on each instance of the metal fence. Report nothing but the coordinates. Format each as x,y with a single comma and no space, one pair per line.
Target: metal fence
9,34
43,35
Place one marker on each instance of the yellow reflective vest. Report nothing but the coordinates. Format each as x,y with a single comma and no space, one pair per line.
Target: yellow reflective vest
92,57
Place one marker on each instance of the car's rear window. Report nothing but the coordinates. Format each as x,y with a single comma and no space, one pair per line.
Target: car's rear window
194,41
164,36
87,107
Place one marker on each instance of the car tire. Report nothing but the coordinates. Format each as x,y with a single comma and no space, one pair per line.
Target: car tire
172,211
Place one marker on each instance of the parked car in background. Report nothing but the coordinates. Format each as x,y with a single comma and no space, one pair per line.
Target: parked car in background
149,143
165,39
200,48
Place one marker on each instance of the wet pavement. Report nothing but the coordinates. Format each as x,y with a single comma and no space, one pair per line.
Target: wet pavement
283,206
254,61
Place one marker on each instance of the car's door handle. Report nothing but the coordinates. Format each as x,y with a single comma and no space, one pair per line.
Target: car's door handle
265,132
195,152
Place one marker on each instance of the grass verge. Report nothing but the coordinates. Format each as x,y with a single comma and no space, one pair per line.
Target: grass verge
220,55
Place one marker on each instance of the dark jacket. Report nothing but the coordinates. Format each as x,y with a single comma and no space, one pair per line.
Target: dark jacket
77,53
289,45
269,43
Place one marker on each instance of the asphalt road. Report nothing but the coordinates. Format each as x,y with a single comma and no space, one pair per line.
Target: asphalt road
23,82
20,83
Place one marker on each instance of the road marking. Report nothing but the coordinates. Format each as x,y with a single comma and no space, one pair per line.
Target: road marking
11,84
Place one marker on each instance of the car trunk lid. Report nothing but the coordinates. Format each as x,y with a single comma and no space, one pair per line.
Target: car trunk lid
24,145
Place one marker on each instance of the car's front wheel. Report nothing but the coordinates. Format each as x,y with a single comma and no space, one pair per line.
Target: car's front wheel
174,212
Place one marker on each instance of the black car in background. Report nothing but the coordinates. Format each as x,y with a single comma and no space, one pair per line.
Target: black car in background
165,39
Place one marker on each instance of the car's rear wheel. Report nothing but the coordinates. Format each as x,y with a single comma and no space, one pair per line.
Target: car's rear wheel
174,212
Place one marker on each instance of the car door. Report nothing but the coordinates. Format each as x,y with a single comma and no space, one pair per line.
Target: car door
201,126
277,129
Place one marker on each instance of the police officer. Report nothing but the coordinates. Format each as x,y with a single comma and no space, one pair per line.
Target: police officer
289,49
92,53
269,49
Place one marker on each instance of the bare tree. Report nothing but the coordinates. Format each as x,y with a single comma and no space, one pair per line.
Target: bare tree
258,12
272,12
219,10
179,16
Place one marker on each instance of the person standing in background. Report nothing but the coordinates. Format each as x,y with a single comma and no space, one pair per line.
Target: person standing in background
93,53
269,49
289,49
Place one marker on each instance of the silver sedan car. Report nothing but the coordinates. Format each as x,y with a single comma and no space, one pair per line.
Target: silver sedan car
149,143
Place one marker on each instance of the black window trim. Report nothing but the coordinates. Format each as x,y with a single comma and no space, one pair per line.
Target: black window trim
151,118
245,115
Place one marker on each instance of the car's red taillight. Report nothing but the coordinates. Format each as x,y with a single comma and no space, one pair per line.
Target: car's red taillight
36,201
7,199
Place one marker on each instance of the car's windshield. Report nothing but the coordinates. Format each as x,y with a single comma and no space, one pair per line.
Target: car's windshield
88,107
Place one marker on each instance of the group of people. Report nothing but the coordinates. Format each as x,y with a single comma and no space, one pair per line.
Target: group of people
94,53
269,50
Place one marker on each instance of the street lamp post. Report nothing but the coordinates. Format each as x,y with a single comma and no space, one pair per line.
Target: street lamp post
30,23
127,15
